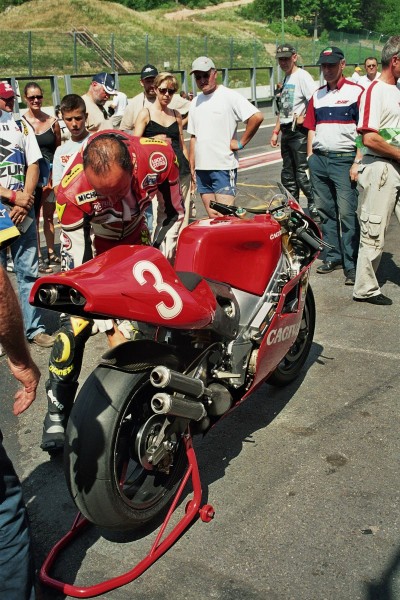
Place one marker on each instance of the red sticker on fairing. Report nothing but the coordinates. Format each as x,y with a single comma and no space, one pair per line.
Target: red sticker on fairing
158,162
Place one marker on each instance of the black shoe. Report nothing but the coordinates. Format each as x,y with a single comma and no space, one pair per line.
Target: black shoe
329,266
350,277
378,299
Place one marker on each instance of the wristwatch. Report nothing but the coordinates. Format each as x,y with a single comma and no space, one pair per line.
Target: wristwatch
357,161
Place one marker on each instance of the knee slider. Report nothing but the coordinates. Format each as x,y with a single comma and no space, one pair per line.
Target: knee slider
62,353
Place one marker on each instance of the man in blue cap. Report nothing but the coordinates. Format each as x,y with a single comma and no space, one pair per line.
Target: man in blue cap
101,87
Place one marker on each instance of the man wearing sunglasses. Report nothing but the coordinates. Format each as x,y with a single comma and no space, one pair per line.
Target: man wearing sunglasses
371,70
214,116
100,90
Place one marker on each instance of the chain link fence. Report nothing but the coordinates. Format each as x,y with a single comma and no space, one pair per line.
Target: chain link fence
42,53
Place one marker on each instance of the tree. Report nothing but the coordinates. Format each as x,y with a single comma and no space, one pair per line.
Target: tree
331,14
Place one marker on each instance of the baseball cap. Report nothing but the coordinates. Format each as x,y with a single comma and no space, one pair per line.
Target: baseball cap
106,80
330,56
285,50
6,91
203,64
358,69
148,71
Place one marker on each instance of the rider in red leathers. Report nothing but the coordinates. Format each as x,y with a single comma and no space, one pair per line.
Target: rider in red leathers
101,201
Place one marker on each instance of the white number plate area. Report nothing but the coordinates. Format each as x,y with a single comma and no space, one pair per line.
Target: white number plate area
166,312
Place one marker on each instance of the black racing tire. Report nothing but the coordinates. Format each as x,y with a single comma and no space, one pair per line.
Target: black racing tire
292,363
109,487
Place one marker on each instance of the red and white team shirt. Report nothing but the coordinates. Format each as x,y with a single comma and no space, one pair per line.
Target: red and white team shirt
379,109
333,115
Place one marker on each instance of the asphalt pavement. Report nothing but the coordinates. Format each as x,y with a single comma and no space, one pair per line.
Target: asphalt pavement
304,480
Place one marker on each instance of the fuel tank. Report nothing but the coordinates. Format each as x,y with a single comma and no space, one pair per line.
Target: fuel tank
241,253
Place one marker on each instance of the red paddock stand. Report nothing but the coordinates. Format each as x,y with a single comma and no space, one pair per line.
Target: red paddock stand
160,546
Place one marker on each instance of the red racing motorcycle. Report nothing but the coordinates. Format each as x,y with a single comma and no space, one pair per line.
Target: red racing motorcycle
235,311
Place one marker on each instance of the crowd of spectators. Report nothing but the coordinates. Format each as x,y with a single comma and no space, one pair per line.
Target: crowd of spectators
339,147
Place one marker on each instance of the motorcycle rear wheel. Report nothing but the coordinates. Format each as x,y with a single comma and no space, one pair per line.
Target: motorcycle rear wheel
107,481
292,363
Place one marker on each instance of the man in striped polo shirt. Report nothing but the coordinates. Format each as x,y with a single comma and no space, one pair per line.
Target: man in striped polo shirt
331,119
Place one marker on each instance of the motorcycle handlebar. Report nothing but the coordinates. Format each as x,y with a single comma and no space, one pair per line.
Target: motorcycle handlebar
224,209
309,239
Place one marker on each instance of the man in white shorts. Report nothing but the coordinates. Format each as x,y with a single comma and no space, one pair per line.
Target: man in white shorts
213,120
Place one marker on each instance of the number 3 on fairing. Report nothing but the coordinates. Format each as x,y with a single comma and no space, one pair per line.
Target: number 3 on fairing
145,266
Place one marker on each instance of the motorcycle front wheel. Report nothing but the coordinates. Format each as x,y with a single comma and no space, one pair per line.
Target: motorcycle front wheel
110,427
292,363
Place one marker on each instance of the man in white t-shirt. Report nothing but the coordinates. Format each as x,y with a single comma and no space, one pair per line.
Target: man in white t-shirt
214,116
379,171
372,73
118,104
297,88
19,172
73,111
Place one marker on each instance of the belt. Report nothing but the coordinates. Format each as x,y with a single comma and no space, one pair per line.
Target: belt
333,154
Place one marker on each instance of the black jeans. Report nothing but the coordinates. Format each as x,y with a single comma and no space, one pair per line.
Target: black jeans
294,156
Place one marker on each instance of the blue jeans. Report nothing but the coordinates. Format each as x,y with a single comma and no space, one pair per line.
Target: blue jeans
336,199
16,563
24,252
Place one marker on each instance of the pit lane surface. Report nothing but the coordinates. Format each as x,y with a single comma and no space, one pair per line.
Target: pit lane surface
304,480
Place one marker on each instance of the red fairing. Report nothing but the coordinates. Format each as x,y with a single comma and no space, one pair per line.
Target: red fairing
242,253
137,283
282,332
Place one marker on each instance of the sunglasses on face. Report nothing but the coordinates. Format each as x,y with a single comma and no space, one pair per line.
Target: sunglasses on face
8,99
32,98
202,76
164,91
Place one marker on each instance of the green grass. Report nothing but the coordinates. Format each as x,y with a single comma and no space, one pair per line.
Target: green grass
48,49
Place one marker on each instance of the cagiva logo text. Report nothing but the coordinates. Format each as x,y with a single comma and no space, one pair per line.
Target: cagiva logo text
282,334
275,235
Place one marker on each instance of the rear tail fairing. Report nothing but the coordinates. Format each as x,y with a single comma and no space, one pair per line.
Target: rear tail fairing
129,282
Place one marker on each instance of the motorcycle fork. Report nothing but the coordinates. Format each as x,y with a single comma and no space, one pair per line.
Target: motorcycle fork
193,510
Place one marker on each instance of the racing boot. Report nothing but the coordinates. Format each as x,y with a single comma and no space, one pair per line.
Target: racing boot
60,398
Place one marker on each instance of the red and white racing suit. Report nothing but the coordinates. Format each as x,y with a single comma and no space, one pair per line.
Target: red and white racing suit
92,224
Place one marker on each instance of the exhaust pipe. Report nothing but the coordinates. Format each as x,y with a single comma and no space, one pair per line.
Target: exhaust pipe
162,377
164,404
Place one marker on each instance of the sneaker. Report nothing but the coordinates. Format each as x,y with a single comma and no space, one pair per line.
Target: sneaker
10,265
378,299
329,265
350,277
43,340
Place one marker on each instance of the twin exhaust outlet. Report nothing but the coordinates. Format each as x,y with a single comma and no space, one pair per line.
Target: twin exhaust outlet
163,403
